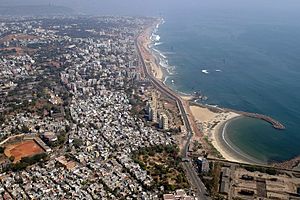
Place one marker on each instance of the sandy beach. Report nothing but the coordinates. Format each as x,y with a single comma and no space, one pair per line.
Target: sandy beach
212,125
150,60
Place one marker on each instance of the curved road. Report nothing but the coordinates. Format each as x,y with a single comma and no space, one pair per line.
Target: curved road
191,173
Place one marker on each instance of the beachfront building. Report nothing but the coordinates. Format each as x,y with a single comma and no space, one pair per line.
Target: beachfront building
203,165
163,121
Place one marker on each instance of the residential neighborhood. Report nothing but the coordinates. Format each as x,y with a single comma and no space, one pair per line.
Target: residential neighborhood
68,82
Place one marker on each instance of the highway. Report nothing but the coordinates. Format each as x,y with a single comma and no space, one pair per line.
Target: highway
190,171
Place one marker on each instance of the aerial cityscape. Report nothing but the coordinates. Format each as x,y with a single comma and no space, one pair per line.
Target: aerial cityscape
99,106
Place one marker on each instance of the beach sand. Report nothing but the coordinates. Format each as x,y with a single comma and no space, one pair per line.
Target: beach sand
211,125
186,97
150,60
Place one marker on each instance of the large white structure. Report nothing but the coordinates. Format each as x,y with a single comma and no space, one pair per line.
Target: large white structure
163,121
151,109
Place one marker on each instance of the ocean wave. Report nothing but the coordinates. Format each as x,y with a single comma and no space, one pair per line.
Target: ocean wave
163,61
166,78
185,94
161,57
171,70
158,43
155,37
160,53
169,53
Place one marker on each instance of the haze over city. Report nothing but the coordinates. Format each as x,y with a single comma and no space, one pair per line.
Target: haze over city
161,99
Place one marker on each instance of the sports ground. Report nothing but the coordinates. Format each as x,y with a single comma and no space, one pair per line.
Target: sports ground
22,149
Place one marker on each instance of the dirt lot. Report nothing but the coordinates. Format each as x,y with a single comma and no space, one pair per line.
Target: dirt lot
23,149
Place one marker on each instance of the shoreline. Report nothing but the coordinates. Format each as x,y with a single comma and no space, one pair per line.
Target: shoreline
213,126
217,137
151,60
231,152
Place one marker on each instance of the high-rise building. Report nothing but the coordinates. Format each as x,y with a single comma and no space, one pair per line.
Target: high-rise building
154,115
151,108
163,121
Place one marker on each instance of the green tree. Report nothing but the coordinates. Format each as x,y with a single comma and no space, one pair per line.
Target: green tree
25,129
2,149
77,142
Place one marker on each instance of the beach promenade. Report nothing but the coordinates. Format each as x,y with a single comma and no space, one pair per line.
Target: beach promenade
190,171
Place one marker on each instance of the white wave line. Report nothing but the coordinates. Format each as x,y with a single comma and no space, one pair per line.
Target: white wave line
228,144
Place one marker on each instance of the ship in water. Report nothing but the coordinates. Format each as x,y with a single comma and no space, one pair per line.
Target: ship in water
204,71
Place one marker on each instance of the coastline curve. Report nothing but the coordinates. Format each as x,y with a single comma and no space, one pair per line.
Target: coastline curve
234,152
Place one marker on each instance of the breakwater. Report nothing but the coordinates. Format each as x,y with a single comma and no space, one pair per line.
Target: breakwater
276,124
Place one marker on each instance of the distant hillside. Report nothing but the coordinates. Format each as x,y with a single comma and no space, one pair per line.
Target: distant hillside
35,10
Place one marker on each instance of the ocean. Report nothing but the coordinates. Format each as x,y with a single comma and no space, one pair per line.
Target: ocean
244,62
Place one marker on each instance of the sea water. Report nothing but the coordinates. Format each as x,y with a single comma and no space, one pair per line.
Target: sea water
240,62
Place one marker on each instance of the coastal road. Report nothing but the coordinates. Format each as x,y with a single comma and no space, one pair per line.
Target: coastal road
190,170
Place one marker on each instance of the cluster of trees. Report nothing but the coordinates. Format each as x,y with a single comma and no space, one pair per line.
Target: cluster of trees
15,106
8,52
150,151
25,162
197,146
168,169
2,149
77,142
2,119
175,130
25,129
37,45
212,184
268,170
61,139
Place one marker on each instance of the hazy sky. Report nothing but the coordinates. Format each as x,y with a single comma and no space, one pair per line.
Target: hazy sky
154,7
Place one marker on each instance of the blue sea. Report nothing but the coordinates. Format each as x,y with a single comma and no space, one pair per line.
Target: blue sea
251,62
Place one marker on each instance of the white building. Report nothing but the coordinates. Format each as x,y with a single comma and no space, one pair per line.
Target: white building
163,121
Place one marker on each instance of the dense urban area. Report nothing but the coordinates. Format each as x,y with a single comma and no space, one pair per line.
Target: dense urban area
68,82
79,120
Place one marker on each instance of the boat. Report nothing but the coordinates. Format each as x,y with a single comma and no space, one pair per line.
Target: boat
204,71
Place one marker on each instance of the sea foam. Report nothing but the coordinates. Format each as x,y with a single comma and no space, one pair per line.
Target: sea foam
160,56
